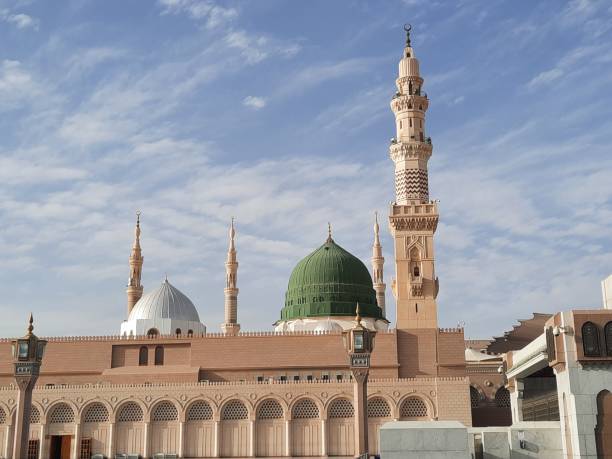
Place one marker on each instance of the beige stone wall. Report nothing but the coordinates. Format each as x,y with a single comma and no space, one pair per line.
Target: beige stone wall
223,433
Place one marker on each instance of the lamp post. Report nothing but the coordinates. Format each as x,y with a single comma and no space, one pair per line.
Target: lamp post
359,343
27,356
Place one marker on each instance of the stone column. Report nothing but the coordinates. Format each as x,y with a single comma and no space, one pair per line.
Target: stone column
216,449
147,428
41,443
360,400
181,445
288,438
21,428
111,440
7,442
251,438
76,451
323,437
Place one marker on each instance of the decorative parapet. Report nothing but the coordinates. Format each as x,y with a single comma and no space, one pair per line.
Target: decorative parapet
419,217
402,151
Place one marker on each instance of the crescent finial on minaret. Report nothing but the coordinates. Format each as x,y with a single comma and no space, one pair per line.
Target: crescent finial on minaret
407,28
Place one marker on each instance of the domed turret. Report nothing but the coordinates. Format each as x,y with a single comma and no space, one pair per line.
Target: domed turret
166,310
328,284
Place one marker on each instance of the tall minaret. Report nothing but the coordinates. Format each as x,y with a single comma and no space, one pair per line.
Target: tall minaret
231,325
134,287
377,268
413,218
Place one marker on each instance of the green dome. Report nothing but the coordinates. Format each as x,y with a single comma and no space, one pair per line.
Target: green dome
330,282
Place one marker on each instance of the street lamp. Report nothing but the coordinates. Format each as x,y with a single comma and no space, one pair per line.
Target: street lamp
27,356
359,343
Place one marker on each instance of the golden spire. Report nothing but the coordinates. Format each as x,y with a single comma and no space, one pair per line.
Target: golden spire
357,315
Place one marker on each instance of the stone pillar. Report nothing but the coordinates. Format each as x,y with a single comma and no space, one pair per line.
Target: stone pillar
7,443
21,428
181,445
323,437
216,449
288,438
41,444
76,451
360,401
147,428
251,438
516,398
111,440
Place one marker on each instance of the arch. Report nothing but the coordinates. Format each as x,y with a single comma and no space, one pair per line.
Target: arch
379,412
61,413
189,333
603,428
269,408
143,356
199,410
379,407
340,427
35,416
414,407
340,407
199,428
129,411
306,434
3,416
502,398
164,410
159,355
235,429
590,340
129,418
95,412
608,337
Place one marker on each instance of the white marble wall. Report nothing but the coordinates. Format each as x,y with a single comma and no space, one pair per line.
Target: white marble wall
424,440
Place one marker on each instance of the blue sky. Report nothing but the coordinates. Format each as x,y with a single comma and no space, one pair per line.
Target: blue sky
277,112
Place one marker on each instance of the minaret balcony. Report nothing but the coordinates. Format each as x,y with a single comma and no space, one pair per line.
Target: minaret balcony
414,216
415,149
405,102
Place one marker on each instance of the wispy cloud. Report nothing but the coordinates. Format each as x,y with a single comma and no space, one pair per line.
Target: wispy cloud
19,20
211,13
254,102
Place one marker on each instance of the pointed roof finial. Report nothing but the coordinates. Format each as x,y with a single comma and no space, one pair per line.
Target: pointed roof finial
376,227
137,230
232,235
31,325
407,28
329,232
357,315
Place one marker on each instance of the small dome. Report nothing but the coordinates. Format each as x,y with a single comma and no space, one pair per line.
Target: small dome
165,302
330,282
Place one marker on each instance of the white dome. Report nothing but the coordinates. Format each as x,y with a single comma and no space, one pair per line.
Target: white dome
165,302
327,326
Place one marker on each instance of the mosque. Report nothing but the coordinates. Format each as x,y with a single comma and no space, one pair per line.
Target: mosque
166,384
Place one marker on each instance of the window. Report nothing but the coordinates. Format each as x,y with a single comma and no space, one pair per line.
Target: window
325,377
502,398
164,411
590,340
33,446
474,397
143,356
270,409
200,411
378,408
61,414
260,379
309,378
341,408
234,410
339,377
189,333
608,336
177,332
85,448
282,378
130,412
95,413
416,271
421,136
410,122
159,355
296,377
305,409
413,407
152,333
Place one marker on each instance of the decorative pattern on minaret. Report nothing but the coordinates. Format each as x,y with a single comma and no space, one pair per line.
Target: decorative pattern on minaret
231,326
134,286
413,218
377,267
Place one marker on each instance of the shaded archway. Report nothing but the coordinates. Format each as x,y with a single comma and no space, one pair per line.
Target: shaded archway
60,428
164,428
130,429
199,430
379,412
234,429
603,429
270,426
341,428
305,428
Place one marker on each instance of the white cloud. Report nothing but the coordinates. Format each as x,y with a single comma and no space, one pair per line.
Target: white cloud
208,11
19,20
254,102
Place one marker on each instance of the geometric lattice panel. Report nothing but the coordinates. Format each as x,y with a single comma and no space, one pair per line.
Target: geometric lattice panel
341,408
305,409
200,411
502,398
61,414
2,416
34,416
413,407
96,413
234,410
164,411
378,408
270,409
474,397
130,412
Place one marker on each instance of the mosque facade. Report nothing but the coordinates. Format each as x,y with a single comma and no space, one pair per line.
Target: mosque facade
167,384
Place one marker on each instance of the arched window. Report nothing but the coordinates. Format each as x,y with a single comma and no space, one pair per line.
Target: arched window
200,411
608,335
189,333
590,340
61,414
177,332
159,355
152,333
2,416
341,408
378,408
305,409
164,411
96,412
474,397
130,412
34,416
143,356
413,407
416,272
502,398
234,410
270,409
